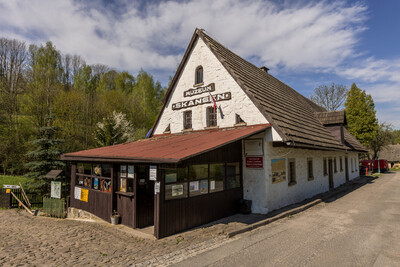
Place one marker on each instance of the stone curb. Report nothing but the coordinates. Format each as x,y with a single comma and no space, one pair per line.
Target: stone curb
288,213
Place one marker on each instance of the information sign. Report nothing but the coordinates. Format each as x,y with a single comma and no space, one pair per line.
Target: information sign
77,192
153,173
55,189
85,195
156,188
254,162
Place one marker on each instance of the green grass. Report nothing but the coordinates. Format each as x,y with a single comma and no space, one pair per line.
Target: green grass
395,170
13,180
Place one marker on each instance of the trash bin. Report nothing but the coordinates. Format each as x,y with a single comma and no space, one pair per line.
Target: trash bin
245,206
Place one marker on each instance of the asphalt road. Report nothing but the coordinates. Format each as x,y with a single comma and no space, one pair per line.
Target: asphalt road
361,228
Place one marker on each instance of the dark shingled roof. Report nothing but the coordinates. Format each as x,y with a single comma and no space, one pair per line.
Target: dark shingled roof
331,117
351,142
291,114
390,153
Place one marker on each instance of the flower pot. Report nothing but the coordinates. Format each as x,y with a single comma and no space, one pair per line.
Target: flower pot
115,219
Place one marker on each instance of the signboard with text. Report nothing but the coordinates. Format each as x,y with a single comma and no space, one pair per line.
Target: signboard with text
254,162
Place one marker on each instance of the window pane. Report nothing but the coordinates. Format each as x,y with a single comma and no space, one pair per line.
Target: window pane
232,169
176,175
129,185
80,168
217,170
97,170
122,171
106,170
122,184
88,168
79,180
175,191
232,182
217,184
131,171
198,171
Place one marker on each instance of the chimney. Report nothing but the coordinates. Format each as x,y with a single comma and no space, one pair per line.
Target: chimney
264,69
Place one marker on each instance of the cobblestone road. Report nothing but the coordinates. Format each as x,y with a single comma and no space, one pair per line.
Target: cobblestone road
43,241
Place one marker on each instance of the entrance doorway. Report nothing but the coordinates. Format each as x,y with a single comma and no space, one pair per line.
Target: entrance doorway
145,197
330,173
346,168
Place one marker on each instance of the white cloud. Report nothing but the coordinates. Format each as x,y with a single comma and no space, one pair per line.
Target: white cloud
315,35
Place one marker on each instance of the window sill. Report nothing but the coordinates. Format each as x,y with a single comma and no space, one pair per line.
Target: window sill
211,127
167,132
292,183
127,194
187,130
240,124
198,84
310,178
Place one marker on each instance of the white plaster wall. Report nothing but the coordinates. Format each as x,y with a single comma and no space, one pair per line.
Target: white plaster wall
255,184
213,72
266,196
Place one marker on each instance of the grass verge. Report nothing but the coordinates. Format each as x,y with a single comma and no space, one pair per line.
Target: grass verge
13,180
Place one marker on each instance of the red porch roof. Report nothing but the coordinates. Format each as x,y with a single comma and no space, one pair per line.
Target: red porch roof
168,148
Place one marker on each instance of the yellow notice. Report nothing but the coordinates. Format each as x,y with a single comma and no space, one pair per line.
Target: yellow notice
8,191
85,195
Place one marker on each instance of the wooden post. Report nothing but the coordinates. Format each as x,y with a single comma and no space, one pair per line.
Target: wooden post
24,195
22,204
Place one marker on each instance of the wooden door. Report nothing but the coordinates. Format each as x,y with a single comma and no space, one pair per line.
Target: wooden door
330,173
145,197
346,168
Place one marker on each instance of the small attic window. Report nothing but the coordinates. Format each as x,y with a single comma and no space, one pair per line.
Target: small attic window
198,75
168,129
239,120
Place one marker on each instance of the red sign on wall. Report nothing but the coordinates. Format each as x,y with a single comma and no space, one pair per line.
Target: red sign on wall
254,162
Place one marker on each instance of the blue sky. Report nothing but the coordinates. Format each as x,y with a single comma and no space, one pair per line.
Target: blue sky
304,43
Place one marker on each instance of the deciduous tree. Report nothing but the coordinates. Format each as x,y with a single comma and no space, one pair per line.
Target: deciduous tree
330,97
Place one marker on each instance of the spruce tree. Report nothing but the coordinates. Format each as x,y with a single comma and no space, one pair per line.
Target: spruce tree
360,114
45,157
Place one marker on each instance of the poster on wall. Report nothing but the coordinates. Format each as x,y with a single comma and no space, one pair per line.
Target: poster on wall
177,190
204,186
278,169
253,147
194,186
77,192
153,173
212,185
84,195
55,189
96,183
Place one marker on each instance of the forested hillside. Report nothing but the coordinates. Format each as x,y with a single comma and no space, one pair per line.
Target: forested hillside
39,81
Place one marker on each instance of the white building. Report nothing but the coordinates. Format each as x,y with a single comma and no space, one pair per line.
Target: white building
227,131
302,134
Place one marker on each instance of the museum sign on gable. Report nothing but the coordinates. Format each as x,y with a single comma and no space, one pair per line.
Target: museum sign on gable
201,101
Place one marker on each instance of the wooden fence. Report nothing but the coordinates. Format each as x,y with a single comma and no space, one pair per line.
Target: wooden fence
54,207
8,201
